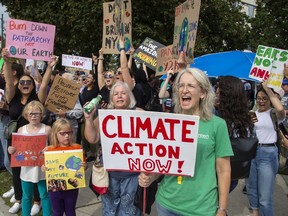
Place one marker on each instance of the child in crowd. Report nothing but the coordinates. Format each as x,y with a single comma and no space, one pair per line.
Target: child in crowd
61,139
33,112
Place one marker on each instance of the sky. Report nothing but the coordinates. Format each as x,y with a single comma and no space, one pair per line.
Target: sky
3,11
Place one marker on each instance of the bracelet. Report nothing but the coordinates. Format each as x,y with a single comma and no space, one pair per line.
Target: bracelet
122,49
100,58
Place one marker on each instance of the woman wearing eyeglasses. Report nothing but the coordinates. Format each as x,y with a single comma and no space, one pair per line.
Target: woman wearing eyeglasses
17,97
33,112
63,201
264,167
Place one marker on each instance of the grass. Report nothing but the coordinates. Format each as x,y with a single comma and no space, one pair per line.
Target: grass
6,183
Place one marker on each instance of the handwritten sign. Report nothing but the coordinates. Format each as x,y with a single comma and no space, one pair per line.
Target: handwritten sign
28,149
147,52
63,94
185,29
64,170
117,21
77,62
146,141
32,40
264,60
165,61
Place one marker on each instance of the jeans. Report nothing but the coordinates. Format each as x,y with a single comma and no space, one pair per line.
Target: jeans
4,158
261,181
119,200
28,188
161,211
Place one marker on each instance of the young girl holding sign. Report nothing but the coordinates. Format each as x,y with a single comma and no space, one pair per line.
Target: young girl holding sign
61,139
33,112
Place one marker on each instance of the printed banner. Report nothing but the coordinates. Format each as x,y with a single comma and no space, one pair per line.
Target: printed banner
63,94
185,29
29,149
140,141
64,170
117,20
32,40
165,61
77,62
147,52
267,59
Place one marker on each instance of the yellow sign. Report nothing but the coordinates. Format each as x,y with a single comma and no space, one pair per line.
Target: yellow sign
64,170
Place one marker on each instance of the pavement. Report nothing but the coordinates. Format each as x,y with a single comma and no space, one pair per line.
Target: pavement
89,205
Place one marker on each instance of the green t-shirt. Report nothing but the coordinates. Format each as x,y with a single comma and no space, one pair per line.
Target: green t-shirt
198,195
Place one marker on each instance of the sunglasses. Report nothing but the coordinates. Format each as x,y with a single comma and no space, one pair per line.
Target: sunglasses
34,114
64,133
108,76
25,82
118,73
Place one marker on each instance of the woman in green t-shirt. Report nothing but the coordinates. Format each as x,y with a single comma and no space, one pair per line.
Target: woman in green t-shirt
206,193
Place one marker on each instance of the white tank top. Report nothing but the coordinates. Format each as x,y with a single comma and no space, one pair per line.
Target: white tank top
32,173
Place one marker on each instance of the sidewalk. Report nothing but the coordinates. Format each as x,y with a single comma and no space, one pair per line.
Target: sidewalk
88,204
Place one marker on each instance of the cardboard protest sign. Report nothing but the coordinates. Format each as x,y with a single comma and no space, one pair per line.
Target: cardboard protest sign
264,59
63,94
64,170
276,75
147,52
28,149
117,21
32,40
77,62
146,141
165,61
185,29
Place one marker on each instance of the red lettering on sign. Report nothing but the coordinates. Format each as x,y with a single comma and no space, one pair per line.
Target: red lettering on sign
186,132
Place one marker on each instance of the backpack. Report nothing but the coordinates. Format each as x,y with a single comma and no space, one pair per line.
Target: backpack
282,151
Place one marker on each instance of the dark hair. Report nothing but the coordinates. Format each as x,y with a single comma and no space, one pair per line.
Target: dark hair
233,106
18,68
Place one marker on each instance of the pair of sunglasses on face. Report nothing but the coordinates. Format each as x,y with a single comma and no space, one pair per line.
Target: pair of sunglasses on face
25,82
108,76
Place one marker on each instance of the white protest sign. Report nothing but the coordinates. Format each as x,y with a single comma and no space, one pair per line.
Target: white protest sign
77,62
148,141
264,59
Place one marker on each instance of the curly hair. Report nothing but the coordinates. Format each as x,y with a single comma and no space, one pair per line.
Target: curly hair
233,106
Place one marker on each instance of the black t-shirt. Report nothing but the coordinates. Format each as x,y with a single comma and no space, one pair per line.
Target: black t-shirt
104,92
88,95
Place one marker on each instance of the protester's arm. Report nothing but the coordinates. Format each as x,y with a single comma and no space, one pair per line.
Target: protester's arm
38,77
163,93
91,129
124,65
95,63
182,64
42,93
131,51
223,170
276,103
8,74
100,70
145,70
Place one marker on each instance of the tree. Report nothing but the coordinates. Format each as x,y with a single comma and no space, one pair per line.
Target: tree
79,23
270,25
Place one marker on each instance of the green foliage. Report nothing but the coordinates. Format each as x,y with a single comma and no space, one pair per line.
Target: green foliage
270,25
221,24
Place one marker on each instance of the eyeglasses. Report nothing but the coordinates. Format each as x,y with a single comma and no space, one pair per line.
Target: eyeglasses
118,73
64,133
108,76
189,86
25,82
262,99
34,114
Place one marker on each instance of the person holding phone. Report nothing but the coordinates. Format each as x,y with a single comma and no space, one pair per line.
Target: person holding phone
264,167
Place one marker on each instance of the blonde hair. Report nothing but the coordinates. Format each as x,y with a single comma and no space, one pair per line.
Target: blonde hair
206,105
30,106
58,125
130,94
